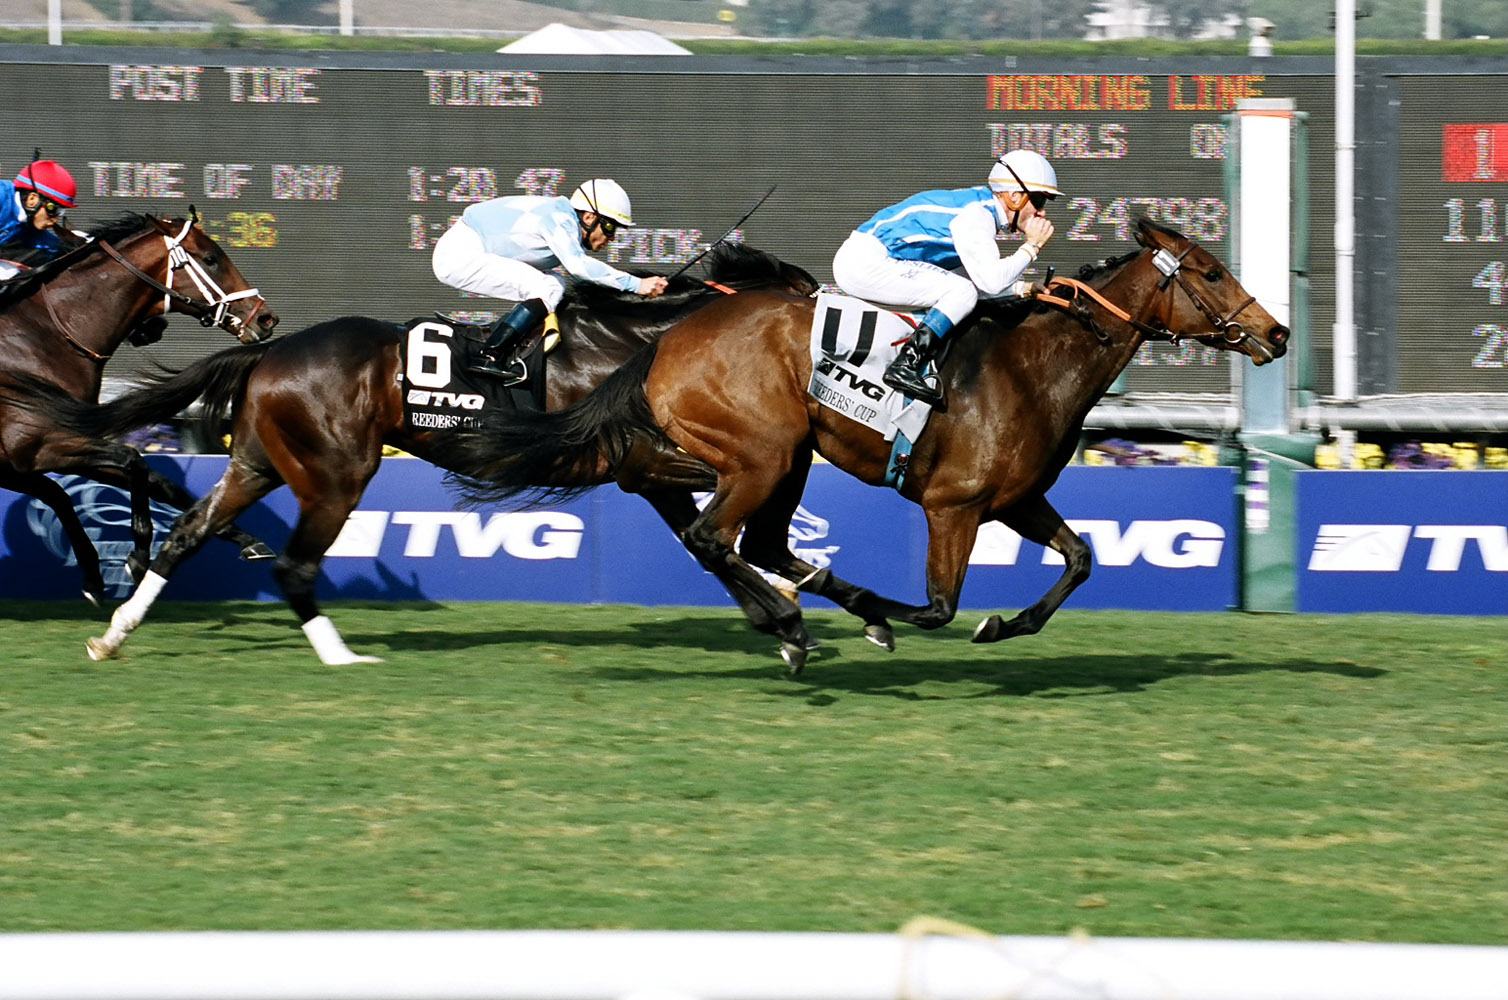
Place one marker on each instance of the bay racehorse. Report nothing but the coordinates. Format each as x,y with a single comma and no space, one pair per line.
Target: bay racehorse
61,321
729,386
314,410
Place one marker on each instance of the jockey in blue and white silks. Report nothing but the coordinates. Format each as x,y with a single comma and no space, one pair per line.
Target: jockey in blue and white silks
936,251
505,247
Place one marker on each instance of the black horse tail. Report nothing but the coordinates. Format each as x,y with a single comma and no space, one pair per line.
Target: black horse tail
217,381
549,457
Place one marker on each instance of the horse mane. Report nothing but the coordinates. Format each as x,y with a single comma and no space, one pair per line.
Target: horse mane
735,265
44,265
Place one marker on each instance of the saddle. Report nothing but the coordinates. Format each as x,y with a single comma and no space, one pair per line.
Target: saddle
434,353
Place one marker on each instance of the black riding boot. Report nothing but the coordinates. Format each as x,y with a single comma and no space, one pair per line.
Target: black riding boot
497,353
905,373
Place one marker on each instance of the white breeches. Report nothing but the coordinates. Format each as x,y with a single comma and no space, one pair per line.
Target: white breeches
863,267
461,261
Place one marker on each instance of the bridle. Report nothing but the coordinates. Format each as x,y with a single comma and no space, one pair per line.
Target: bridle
215,309
1171,268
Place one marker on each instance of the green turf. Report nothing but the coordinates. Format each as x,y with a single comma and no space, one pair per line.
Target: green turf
519,766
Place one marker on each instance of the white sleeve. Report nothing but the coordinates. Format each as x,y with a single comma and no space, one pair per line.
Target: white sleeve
566,247
974,238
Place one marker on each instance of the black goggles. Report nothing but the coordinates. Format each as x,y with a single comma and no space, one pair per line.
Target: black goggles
1039,199
609,226
53,209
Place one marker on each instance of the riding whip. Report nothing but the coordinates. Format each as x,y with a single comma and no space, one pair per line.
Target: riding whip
725,235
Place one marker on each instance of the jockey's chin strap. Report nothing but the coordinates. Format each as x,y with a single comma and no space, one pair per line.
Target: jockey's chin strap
1157,329
214,310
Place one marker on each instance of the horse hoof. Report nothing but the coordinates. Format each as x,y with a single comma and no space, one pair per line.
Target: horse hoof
882,636
988,630
348,658
794,655
257,551
95,597
812,642
98,650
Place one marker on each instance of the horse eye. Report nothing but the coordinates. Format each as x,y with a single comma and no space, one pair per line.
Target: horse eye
1213,274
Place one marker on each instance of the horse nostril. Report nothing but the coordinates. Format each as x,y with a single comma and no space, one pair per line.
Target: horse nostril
1278,335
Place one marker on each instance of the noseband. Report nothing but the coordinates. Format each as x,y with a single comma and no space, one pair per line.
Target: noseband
1225,326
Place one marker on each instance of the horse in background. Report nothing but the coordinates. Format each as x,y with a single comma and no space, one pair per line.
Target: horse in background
62,320
728,387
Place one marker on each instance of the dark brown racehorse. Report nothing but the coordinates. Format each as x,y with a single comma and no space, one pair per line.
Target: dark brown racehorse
314,409
729,386
63,319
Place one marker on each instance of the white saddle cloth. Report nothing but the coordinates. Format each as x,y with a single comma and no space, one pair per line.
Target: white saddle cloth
852,343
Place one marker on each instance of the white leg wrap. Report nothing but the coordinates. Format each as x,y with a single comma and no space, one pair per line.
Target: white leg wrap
127,617
328,644
130,614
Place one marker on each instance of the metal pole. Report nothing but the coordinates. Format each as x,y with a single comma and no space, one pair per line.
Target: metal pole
1432,20
1345,208
54,22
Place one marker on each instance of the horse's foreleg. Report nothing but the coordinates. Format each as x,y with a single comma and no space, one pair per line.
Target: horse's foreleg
49,492
950,539
118,465
135,468
236,490
1037,521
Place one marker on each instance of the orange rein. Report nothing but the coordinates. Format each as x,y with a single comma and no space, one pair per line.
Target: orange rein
1080,288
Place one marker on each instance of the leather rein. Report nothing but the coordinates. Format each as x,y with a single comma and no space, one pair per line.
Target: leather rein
1172,270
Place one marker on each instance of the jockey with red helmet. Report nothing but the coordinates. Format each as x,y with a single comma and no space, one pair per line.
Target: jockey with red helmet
33,203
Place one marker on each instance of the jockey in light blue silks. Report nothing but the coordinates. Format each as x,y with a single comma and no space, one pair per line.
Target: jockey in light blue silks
936,251
502,248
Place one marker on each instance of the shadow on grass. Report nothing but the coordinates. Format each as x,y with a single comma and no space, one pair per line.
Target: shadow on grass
941,658
935,659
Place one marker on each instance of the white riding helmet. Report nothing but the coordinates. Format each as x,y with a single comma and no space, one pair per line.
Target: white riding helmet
604,197
1031,169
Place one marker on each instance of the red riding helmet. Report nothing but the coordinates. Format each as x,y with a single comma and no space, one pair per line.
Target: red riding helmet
48,179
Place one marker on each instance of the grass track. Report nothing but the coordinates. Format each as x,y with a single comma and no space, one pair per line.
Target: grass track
520,766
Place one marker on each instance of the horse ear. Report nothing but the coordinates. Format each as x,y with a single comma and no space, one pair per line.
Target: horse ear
1144,232
194,214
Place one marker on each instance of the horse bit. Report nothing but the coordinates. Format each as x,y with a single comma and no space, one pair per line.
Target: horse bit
1171,268
213,311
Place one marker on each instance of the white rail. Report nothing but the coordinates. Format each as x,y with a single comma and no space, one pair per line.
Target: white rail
653,965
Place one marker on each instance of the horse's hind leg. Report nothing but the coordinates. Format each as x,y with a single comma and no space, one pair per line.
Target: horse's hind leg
47,490
767,544
710,539
679,510
1035,520
174,495
239,487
